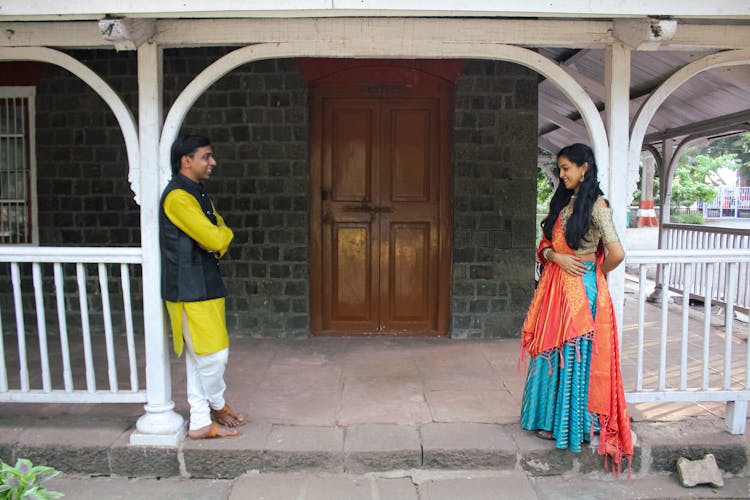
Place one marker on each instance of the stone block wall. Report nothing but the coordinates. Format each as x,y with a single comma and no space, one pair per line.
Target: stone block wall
257,119
495,154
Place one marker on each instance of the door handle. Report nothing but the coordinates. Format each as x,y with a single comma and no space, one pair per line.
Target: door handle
368,208
359,208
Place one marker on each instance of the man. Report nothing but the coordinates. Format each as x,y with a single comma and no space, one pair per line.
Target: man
193,238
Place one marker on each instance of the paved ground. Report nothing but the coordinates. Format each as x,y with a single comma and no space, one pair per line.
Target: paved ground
397,485
373,418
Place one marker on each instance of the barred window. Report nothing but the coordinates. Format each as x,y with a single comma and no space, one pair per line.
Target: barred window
17,166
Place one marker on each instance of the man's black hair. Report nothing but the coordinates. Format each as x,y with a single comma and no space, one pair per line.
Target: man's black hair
186,145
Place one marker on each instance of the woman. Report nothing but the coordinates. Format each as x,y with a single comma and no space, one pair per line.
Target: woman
573,386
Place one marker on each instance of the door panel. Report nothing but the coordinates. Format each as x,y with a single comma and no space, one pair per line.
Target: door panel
409,154
381,213
350,249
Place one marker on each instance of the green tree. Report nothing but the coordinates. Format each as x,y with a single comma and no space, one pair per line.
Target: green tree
544,191
696,178
739,145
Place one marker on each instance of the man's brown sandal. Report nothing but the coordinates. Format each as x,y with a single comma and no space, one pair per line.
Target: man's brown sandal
228,417
213,430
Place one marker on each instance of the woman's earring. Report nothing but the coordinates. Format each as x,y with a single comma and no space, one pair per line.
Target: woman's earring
583,176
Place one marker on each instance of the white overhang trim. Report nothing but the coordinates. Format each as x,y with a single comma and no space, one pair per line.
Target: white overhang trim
345,49
120,110
83,9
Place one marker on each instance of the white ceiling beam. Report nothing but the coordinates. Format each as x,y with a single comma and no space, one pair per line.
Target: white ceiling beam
592,87
524,32
230,32
576,127
705,127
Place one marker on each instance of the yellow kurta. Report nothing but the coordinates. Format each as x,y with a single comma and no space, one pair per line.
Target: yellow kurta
206,318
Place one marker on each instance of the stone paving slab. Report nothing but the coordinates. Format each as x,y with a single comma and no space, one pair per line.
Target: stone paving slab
381,447
120,488
403,485
651,487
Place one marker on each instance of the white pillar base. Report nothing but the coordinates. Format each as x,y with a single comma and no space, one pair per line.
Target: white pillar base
160,426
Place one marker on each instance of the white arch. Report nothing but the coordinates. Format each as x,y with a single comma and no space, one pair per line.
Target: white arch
445,50
118,107
651,105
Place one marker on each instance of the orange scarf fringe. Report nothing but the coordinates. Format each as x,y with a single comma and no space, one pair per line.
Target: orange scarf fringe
560,313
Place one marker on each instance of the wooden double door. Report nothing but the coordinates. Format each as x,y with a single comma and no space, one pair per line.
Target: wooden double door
380,208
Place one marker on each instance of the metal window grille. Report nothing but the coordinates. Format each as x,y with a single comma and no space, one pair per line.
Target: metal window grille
17,190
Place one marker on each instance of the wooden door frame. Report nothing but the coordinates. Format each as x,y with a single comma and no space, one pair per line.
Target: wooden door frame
344,74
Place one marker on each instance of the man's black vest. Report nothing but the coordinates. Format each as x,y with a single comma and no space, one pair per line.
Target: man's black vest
188,273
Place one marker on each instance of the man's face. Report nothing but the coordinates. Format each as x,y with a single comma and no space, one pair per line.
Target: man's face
198,166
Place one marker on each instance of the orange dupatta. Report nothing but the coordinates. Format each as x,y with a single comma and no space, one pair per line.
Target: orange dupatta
559,312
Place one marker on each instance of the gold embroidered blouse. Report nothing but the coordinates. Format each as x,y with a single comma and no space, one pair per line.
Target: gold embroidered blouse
601,228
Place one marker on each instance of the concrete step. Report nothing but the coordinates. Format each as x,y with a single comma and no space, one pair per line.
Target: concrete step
79,444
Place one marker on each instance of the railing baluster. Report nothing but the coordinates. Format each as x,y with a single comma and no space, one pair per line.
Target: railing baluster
41,325
62,322
641,322
85,328
689,268
15,273
731,286
3,367
707,305
107,317
663,337
125,283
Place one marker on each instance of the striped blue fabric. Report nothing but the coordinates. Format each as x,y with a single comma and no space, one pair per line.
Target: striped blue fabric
556,394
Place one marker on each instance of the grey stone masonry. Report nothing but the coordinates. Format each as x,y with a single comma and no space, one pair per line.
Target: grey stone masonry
257,119
495,156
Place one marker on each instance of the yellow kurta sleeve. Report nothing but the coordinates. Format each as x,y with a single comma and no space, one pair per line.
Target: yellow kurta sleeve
184,211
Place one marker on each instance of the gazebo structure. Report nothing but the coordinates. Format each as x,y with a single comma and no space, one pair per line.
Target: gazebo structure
377,159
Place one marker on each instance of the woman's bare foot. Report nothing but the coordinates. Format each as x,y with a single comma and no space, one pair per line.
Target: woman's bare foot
213,430
545,435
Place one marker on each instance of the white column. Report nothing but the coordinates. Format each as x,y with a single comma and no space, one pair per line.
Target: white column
617,84
161,425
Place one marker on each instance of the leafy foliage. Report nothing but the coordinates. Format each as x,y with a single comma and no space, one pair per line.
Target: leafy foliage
695,178
25,481
687,219
739,145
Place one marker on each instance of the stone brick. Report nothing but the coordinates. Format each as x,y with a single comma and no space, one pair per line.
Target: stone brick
304,448
381,447
467,446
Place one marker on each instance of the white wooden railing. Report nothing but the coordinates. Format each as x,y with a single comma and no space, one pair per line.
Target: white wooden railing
698,239
31,278
669,355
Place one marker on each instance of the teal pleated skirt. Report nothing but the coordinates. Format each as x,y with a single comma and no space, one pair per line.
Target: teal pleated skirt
556,393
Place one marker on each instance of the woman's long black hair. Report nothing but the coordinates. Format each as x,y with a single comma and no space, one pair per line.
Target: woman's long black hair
588,193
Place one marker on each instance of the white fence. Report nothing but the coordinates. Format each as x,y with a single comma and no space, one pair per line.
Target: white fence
699,239
674,357
729,202
100,352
